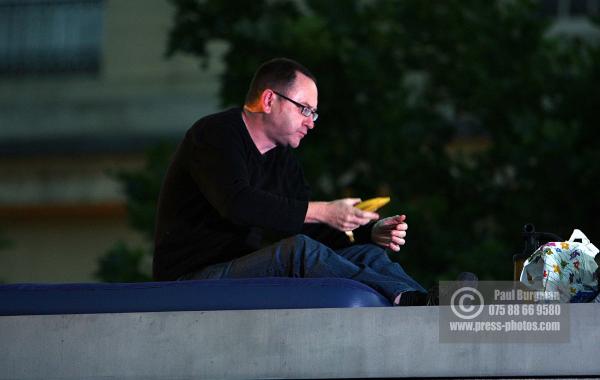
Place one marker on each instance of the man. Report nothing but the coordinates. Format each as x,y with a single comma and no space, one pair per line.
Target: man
234,186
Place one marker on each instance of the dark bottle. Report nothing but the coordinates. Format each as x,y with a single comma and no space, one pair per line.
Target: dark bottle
533,240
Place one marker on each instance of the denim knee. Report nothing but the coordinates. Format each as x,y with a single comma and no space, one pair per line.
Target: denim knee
305,251
301,241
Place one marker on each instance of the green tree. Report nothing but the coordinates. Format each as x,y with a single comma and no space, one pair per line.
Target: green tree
124,262
4,244
398,81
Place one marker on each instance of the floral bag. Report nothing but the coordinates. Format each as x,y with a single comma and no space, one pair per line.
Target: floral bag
567,267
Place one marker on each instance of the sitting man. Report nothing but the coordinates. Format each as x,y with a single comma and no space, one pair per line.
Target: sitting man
235,204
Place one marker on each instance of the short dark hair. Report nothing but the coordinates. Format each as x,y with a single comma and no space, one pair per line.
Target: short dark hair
278,74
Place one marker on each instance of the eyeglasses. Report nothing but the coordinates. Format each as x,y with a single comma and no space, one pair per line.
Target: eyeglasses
304,110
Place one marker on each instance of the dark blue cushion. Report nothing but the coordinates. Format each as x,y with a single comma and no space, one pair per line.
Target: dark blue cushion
227,294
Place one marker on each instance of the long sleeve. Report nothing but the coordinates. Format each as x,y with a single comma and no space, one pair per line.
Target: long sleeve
224,169
221,199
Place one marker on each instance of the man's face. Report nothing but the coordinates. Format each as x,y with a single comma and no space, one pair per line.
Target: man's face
290,126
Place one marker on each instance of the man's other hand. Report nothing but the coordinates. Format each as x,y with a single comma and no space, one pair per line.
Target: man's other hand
339,214
390,232
342,214
345,217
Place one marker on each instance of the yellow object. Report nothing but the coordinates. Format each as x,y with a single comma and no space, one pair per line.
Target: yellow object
371,205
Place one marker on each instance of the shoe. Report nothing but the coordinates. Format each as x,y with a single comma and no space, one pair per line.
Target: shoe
433,296
413,298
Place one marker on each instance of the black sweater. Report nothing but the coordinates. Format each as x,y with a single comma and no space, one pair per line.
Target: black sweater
221,199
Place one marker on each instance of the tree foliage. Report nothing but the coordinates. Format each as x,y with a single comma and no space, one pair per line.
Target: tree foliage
131,263
404,87
4,244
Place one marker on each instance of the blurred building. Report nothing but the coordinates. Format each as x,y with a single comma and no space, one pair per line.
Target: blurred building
85,89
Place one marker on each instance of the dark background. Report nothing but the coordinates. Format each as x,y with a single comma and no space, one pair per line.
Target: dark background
474,117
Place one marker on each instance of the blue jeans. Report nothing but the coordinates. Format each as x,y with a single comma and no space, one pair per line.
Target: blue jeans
301,256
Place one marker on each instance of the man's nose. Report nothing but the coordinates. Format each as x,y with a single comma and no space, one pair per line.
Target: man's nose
310,124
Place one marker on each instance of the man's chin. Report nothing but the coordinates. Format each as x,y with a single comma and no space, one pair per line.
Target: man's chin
294,143
291,142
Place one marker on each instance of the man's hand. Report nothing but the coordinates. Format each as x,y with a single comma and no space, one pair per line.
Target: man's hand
339,214
390,232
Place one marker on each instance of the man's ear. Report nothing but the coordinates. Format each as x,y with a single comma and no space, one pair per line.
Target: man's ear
266,100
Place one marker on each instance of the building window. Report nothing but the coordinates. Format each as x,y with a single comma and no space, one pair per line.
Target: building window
50,36
570,8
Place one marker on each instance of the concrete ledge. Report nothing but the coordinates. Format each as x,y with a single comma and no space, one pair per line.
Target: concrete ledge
303,343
